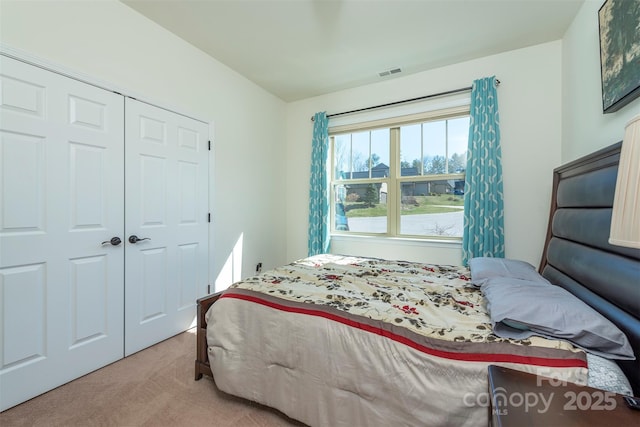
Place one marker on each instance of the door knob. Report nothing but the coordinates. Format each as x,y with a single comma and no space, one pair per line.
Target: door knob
115,241
135,239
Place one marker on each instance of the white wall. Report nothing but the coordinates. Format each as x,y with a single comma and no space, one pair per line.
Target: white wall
112,43
584,127
530,122
258,195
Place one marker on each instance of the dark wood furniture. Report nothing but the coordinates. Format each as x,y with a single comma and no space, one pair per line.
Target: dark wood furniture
577,255
202,358
522,399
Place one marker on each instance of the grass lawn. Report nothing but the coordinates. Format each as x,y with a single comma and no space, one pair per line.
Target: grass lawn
425,205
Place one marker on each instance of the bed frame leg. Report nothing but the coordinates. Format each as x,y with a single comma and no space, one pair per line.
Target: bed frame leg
202,366
198,374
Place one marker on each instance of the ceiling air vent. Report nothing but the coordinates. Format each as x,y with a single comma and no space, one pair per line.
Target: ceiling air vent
389,72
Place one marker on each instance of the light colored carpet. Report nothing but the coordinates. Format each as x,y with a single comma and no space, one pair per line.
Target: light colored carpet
154,387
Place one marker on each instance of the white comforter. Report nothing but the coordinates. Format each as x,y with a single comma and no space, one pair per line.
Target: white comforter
344,341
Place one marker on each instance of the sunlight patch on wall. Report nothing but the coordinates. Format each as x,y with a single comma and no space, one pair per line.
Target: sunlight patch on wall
232,269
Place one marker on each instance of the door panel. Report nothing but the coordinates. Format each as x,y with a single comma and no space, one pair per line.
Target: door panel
166,167
23,286
87,166
61,196
23,162
89,282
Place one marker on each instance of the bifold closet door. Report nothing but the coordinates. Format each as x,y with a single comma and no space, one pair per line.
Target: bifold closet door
61,204
166,205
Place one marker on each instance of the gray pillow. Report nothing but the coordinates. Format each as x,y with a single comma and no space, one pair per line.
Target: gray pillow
552,312
483,268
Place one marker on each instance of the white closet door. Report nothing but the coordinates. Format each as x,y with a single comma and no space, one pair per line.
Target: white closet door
61,196
166,171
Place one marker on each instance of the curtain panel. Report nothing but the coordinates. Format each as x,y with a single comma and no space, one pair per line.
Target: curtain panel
319,191
483,233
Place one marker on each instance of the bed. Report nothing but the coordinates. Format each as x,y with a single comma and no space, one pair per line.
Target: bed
340,340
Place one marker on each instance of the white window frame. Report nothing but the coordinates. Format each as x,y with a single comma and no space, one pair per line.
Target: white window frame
394,180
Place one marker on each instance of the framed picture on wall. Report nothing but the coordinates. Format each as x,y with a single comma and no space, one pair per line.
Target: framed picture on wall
619,53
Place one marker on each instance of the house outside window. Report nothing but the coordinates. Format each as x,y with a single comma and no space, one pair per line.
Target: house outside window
401,178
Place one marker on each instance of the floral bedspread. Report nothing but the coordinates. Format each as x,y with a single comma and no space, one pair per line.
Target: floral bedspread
434,301
341,341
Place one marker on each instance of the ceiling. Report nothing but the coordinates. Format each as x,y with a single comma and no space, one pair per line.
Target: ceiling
297,49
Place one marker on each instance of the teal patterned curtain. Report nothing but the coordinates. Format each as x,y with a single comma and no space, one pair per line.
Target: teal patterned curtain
483,233
319,191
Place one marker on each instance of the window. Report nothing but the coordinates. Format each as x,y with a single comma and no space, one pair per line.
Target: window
405,178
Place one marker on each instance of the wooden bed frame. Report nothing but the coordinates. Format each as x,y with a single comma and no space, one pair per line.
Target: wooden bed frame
576,256
202,357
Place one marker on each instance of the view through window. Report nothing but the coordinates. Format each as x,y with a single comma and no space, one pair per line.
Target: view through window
404,180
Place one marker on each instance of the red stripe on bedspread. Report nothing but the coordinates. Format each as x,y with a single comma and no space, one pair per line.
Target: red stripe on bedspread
470,357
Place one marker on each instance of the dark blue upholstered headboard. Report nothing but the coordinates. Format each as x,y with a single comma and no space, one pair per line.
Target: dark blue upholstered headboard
577,254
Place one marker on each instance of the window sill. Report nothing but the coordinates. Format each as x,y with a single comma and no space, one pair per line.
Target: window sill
407,241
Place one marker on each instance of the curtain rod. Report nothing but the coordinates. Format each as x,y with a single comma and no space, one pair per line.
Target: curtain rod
433,95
